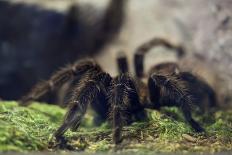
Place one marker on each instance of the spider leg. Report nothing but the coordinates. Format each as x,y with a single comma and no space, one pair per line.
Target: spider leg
168,90
124,102
138,63
144,48
58,79
188,116
122,63
84,94
72,119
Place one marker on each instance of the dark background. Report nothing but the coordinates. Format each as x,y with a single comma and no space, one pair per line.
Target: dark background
35,41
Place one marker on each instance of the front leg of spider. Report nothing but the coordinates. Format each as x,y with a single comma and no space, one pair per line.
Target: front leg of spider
125,104
84,94
66,74
169,90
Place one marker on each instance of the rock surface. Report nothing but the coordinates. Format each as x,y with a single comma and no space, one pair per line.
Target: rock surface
203,27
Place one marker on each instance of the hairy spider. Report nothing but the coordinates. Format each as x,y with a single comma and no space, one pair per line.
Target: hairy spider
123,98
114,97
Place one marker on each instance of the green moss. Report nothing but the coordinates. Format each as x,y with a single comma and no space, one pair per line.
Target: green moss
27,128
31,128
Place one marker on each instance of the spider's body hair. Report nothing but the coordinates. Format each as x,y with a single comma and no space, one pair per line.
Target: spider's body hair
77,108
83,95
167,84
171,90
122,63
167,87
204,95
125,107
123,99
117,97
141,87
100,104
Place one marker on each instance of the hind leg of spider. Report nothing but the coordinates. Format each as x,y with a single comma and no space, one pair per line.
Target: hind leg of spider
188,116
58,79
122,63
124,103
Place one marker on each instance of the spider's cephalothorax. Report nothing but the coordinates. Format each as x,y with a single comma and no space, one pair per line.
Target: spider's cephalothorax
123,98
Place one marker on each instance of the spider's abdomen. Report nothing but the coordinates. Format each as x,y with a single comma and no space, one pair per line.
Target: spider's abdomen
204,96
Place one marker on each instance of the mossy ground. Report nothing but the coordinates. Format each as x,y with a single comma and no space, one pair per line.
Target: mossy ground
31,128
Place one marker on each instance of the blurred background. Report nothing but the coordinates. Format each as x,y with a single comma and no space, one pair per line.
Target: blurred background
39,37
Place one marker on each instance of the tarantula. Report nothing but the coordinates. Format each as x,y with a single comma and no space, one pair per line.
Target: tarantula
123,99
